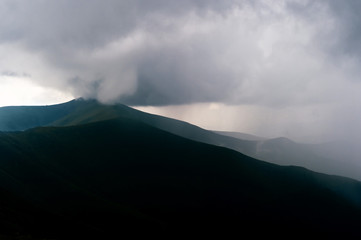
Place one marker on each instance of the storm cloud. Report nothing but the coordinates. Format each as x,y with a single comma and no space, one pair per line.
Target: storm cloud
279,55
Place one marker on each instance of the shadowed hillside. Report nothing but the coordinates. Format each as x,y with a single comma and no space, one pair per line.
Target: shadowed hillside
81,111
280,150
122,175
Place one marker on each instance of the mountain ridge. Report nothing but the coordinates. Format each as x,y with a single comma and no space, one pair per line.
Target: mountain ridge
128,172
278,151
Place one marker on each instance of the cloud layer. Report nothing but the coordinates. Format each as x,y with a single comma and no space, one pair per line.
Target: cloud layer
286,54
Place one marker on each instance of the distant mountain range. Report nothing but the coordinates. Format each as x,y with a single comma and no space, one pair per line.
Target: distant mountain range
84,169
242,136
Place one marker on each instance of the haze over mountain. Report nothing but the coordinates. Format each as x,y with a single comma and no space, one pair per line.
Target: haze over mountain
122,176
288,71
332,158
242,136
287,68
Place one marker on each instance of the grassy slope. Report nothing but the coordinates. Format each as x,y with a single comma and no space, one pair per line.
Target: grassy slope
80,112
19,118
277,151
123,175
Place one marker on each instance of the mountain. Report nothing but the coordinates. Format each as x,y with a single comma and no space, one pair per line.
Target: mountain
318,157
81,111
19,118
242,136
331,158
336,157
123,176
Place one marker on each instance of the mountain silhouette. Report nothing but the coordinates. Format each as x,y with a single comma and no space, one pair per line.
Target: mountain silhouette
124,176
317,157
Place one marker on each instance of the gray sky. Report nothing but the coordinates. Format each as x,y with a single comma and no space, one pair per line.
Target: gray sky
273,68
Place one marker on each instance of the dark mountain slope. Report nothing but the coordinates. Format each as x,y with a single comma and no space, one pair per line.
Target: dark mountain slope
122,175
81,111
280,151
93,111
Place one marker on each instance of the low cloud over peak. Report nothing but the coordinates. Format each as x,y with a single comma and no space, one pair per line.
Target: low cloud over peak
275,54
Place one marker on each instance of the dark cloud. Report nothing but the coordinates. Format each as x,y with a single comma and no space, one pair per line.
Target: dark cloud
173,52
347,26
341,32
88,23
71,35
291,54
